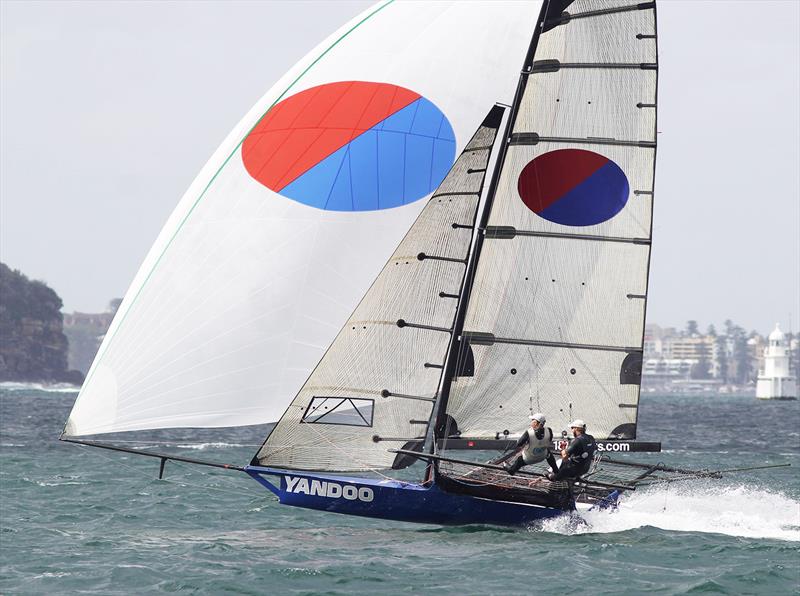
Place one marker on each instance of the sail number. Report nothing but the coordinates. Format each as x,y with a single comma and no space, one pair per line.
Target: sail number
331,490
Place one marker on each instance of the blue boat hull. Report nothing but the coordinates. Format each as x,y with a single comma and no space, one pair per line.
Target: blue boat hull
393,499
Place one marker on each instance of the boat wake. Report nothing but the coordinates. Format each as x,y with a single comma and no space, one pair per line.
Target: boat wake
733,510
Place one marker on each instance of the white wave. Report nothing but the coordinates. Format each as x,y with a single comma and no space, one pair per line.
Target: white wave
201,446
50,388
144,445
704,507
43,484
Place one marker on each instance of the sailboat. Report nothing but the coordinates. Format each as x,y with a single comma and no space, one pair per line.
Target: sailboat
395,271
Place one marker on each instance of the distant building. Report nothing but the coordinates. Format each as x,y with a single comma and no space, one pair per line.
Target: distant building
775,380
728,362
85,332
667,370
99,320
689,348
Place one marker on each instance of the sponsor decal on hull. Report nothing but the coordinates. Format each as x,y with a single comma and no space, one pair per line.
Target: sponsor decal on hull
328,489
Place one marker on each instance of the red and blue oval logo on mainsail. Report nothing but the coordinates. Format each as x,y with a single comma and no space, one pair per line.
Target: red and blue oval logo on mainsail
573,187
351,146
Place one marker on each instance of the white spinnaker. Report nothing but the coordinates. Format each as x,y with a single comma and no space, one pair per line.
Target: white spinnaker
244,289
570,309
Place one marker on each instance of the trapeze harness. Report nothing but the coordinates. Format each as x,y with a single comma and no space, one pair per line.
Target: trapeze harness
580,452
538,443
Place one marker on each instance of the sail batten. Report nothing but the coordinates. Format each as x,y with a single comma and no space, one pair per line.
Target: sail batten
523,138
489,339
508,232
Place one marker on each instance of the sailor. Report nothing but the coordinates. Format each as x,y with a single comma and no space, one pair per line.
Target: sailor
536,441
577,457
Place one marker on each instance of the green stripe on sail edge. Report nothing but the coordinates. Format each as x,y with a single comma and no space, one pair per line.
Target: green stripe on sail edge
99,357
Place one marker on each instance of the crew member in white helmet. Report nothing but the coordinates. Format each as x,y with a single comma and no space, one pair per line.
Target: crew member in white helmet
536,442
577,457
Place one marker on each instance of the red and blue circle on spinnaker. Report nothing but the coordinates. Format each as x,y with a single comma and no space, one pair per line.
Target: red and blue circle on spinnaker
573,187
351,146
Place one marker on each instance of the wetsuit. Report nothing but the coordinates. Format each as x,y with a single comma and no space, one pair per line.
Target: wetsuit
580,453
537,444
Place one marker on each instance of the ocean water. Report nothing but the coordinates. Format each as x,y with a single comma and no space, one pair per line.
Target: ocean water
75,519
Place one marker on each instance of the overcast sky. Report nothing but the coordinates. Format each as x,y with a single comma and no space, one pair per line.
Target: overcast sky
109,110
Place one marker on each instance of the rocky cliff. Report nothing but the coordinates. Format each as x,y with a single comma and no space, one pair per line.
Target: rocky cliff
33,346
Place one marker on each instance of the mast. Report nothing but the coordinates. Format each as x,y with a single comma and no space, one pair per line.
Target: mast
456,348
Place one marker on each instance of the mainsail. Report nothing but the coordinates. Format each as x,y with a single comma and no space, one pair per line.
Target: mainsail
376,386
556,311
281,234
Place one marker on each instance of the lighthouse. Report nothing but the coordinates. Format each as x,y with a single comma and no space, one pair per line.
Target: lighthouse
775,380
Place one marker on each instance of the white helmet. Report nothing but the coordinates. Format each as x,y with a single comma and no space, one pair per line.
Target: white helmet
578,423
538,416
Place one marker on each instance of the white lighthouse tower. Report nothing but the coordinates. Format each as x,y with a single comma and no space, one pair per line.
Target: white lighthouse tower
775,381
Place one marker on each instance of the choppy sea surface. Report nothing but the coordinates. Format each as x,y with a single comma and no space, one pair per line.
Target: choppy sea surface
76,519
